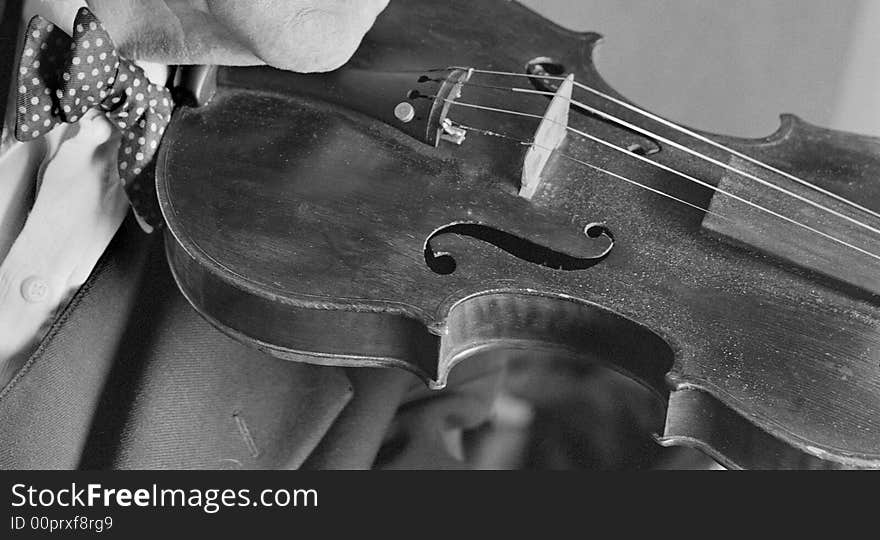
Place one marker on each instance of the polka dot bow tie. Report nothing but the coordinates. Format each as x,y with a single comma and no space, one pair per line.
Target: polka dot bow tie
62,77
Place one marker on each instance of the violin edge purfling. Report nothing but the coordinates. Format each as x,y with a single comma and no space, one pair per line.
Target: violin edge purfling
305,228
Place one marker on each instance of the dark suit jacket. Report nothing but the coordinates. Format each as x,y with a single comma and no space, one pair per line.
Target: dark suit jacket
129,376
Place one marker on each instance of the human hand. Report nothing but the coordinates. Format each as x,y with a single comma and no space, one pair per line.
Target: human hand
299,35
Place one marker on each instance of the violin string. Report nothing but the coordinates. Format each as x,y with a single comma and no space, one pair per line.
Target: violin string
676,127
683,148
597,168
711,160
667,169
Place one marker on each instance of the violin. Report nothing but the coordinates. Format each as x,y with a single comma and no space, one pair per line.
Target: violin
463,188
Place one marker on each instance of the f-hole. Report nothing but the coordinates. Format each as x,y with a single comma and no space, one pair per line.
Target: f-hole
544,66
443,263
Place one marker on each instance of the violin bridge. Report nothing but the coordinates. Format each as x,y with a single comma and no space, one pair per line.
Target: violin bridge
548,137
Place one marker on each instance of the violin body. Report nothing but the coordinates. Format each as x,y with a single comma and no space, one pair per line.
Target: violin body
303,218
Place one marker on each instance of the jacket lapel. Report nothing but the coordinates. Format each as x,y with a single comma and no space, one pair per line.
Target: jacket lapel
46,409
129,376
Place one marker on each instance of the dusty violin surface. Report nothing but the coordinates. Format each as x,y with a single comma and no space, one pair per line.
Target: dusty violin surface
463,189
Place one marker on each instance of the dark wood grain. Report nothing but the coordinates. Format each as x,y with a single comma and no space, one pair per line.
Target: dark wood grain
300,225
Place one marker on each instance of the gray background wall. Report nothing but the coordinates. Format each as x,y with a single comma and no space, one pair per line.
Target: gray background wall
733,66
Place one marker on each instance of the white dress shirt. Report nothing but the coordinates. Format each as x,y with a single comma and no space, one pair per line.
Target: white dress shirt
61,202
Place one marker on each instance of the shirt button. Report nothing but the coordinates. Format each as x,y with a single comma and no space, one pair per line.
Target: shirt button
34,289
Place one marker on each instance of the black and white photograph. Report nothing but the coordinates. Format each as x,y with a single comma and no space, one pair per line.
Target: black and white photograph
544,235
